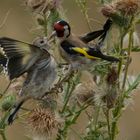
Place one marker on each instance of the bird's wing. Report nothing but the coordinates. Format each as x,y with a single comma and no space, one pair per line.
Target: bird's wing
99,33
93,53
106,28
68,47
87,51
21,56
72,49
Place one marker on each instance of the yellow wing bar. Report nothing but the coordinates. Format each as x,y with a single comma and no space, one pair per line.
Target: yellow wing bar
84,52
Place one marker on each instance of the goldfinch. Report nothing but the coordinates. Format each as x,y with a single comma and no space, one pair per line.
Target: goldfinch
76,49
34,60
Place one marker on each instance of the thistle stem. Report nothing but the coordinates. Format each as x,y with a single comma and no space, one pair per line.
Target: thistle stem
107,114
128,59
3,135
84,9
118,109
45,25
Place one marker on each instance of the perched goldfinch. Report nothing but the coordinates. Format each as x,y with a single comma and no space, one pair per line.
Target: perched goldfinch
76,49
34,60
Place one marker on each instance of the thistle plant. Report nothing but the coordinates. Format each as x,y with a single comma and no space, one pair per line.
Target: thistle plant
99,93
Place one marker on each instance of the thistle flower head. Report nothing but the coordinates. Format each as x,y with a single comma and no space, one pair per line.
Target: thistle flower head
128,7
108,10
43,123
84,92
123,7
42,6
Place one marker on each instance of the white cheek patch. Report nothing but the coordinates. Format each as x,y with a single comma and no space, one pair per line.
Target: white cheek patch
66,32
65,27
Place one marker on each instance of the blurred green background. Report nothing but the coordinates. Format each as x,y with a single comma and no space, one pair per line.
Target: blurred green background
20,24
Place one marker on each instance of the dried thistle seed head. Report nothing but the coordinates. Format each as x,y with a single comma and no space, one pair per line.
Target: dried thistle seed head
109,90
110,98
128,7
108,10
84,92
112,76
107,97
42,6
43,123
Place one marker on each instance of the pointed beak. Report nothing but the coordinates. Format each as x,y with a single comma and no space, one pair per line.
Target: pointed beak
52,36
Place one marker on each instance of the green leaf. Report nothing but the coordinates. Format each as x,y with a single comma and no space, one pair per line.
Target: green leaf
133,86
3,120
136,49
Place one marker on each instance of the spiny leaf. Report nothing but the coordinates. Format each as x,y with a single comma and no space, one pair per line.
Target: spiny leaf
133,86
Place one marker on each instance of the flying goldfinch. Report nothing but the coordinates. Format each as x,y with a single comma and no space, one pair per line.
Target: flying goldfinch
73,48
34,60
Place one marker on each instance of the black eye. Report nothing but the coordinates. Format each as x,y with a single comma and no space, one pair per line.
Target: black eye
42,42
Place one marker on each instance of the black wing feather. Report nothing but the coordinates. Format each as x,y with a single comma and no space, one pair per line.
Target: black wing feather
99,33
10,47
21,56
106,28
67,46
15,69
96,52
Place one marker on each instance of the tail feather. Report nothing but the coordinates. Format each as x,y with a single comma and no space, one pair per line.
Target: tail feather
91,36
110,58
96,52
14,111
106,28
107,25
99,33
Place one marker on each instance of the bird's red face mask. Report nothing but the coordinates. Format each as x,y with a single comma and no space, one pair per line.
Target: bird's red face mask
59,30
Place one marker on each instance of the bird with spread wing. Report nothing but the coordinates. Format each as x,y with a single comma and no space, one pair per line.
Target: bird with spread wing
33,59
